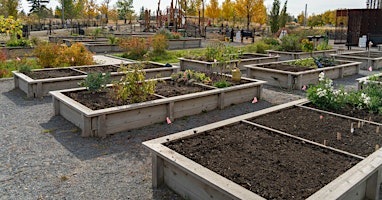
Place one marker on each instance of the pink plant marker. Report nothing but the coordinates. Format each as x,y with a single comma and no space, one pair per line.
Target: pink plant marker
370,68
168,120
18,59
72,59
321,117
303,87
254,100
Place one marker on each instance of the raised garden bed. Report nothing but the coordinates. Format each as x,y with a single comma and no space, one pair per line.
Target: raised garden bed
102,47
69,42
288,76
374,60
265,163
286,55
53,78
203,66
366,80
59,39
184,43
17,52
120,118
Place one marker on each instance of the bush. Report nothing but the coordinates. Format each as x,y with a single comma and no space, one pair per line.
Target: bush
95,82
53,55
169,35
75,55
14,42
290,43
159,44
4,73
135,47
133,86
48,54
3,55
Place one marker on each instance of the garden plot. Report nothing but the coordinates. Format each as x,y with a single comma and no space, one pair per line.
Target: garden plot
284,75
263,162
368,59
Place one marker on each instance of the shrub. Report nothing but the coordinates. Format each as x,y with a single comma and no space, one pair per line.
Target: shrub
290,43
14,42
169,35
95,82
159,44
4,73
135,47
53,55
133,86
75,55
3,55
113,39
323,46
48,54
307,46
25,69
222,84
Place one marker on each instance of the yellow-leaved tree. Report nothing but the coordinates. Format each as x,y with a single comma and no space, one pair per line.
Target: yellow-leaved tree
228,10
252,10
90,10
213,10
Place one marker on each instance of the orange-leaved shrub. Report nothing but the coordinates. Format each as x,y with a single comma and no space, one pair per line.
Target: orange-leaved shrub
159,43
135,47
54,55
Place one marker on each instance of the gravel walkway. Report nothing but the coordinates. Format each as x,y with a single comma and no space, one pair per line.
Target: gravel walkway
44,157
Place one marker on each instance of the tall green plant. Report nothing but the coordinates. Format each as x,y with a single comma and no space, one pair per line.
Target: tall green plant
133,86
95,82
274,16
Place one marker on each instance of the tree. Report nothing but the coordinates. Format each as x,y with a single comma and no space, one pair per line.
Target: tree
142,13
11,7
252,10
228,10
283,15
90,9
212,10
113,15
125,9
301,18
274,16
38,7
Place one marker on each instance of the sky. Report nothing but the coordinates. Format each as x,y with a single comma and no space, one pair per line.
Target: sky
294,7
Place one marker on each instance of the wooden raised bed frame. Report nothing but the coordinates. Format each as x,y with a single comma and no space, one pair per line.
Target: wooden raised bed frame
193,181
366,62
296,80
41,87
203,66
288,55
116,119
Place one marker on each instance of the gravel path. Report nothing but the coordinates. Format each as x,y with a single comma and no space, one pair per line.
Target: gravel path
44,157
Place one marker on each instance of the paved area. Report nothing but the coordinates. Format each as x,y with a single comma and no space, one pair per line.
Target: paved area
109,60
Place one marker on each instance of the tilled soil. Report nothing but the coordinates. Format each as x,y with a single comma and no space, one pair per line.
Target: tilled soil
53,73
317,127
268,164
99,69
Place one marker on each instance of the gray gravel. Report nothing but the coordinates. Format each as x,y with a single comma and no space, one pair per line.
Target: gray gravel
44,157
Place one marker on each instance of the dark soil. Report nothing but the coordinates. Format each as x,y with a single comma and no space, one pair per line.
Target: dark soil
99,69
286,67
308,124
53,73
216,77
106,99
348,111
268,164
249,56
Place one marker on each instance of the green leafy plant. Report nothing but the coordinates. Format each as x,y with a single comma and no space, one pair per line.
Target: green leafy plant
307,46
25,69
159,44
4,73
133,86
222,84
14,42
323,46
95,82
113,39
222,55
324,96
169,35
290,43
190,76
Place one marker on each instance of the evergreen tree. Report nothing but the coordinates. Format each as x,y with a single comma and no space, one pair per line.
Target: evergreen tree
274,16
283,15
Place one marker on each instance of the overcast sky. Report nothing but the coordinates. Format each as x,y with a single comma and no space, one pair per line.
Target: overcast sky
294,7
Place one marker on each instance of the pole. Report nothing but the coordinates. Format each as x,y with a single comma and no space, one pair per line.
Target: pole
306,12
63,18
203,16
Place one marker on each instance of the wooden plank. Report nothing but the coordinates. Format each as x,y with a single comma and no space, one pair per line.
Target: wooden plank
157,171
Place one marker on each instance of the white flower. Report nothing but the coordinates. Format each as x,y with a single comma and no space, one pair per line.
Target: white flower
321,92
365,99
321,76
